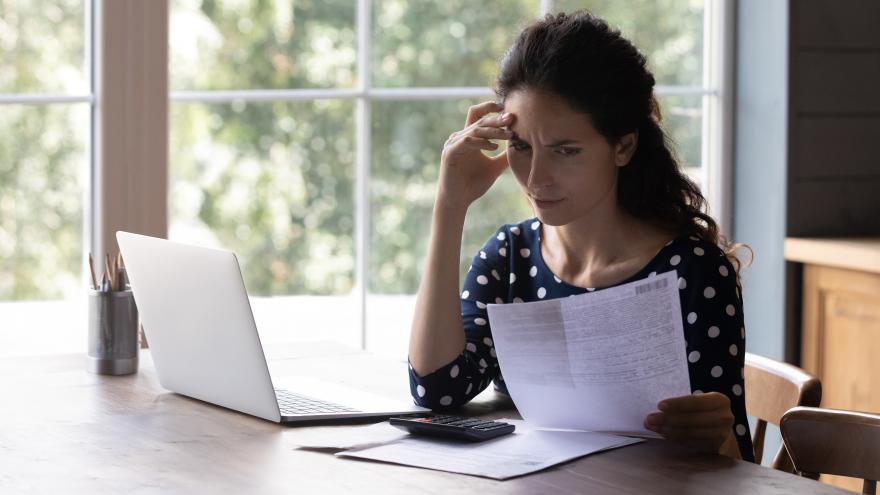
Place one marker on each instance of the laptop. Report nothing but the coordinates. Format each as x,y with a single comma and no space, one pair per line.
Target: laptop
204,341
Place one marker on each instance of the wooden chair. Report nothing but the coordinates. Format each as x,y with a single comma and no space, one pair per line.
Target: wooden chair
830,441
772,388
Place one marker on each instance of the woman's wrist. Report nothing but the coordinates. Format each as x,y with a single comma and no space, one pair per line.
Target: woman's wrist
444,205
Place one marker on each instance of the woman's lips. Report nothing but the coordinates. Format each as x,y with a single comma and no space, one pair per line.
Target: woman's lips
546,204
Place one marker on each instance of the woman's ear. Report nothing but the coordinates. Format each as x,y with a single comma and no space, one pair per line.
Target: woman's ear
625,148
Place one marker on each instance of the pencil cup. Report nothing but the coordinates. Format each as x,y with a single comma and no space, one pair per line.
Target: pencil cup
113,333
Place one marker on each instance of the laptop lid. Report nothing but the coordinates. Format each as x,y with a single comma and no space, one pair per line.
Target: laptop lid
196,314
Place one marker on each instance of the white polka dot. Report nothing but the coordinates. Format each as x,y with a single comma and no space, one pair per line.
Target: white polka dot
670,242
454,371
675,260
742,332
699,251
716,371
445,400
492,352
737,390
470,387
502,251
465,294
541,292
488,341
480,321
590,289
733,349
535,225
471,347
694,238
740,430
709,292
515,230
714,331
420,390
533,271
723,270
694,356
512,278
525,252
483,363
652,274
692,317
697,392
495,275
483,254
517,299
557,279
682,283
730,310
481,305
498,300
482,280
501,236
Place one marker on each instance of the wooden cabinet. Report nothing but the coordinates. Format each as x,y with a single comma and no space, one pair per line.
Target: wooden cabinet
840,328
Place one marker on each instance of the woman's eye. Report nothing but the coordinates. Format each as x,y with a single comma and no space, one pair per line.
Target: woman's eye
568,151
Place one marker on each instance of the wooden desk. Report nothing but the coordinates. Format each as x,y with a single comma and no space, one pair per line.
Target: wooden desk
63,430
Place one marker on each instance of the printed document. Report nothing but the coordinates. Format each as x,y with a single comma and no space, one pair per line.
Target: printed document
523,451
599,361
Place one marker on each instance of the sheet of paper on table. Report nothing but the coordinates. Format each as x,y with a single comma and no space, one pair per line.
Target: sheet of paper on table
524,451
599,361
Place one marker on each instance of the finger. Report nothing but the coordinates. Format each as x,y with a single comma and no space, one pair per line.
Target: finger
694,403
478,143
478,111
491,133
497,120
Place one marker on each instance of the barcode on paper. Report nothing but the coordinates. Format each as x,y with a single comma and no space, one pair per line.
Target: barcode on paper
648,287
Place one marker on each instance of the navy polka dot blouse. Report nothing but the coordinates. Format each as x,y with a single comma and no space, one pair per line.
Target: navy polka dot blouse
509,269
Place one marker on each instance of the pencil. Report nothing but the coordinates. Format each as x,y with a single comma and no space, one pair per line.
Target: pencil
108,269
92,271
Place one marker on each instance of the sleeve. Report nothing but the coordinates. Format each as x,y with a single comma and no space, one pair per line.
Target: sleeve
715,334
471,372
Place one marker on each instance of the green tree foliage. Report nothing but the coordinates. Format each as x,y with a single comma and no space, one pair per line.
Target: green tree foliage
274,181
43,163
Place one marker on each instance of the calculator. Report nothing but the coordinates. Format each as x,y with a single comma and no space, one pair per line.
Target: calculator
454,427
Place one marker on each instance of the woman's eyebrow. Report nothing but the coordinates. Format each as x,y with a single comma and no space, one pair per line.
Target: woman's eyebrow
561,142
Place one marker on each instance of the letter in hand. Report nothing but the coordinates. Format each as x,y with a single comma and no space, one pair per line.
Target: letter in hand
703,421
466,173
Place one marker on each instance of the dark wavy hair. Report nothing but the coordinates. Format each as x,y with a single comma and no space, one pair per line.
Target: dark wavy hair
579,58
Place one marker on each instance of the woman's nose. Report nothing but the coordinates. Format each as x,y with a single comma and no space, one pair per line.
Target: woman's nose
539,174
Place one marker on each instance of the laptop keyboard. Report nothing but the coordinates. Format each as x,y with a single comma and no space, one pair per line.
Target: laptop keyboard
292,404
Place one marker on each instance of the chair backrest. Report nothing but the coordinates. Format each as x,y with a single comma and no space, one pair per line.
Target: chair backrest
831,441
772,388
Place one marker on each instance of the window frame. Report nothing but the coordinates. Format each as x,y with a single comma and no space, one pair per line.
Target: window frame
715,173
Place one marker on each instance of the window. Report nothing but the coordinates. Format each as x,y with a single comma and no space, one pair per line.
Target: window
306,137
45,112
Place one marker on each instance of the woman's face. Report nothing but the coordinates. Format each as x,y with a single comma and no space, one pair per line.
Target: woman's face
564,166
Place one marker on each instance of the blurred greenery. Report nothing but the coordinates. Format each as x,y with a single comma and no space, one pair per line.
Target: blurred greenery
274,181
43,160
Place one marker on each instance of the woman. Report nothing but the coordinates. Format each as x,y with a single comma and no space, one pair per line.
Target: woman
576,106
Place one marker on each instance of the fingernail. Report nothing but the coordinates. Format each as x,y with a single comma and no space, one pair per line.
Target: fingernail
505,116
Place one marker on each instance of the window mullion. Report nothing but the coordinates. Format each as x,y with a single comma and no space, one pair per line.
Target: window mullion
362,172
